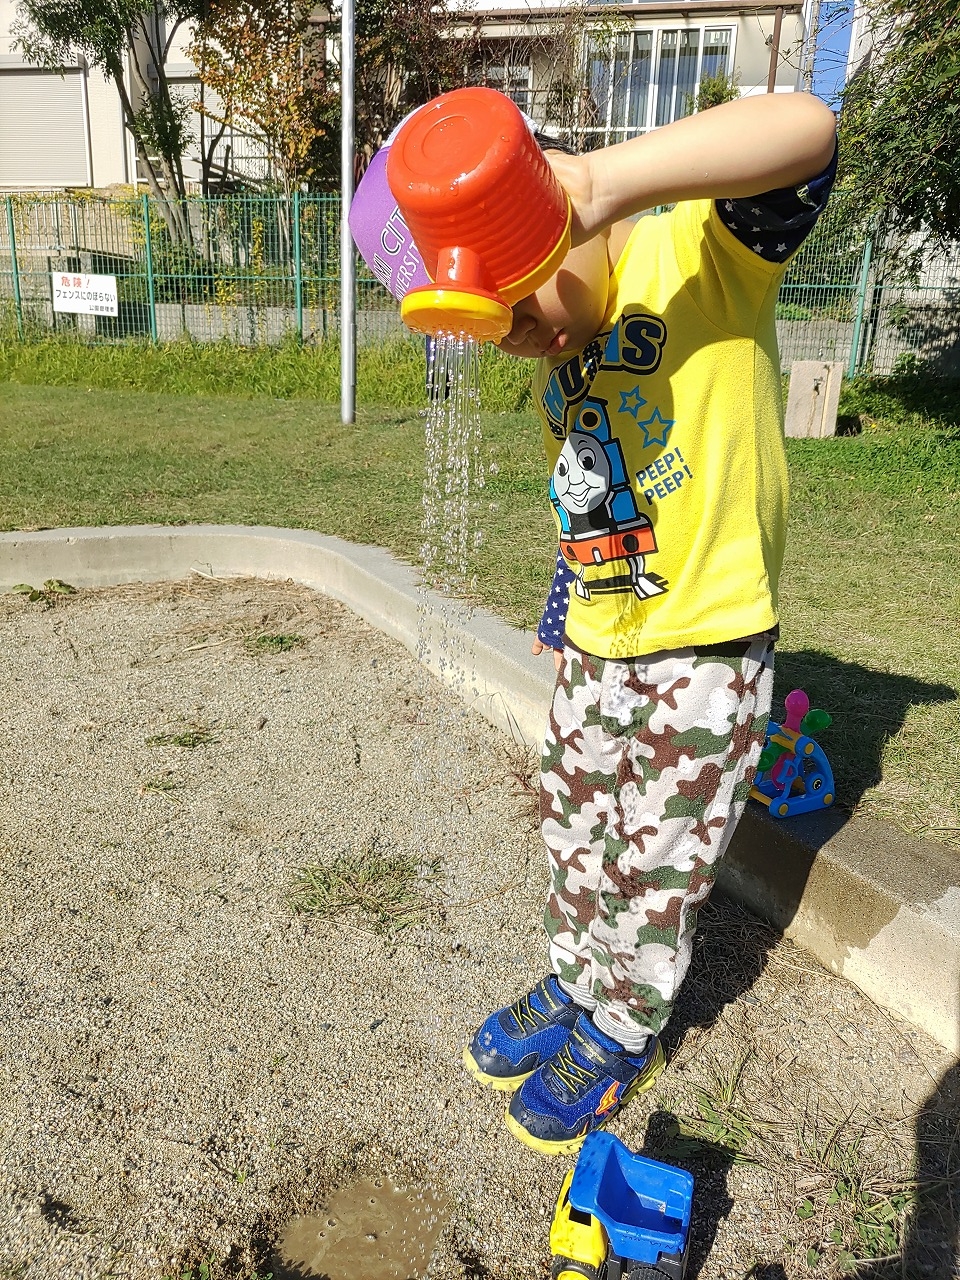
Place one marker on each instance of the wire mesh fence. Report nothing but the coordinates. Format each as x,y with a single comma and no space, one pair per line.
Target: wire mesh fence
257,269
873,307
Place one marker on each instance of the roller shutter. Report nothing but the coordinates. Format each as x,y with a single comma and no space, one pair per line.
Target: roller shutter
43,137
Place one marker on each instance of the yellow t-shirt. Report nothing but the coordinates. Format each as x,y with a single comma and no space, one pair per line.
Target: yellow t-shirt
665,435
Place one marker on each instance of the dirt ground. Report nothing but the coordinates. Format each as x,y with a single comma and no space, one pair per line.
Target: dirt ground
262,878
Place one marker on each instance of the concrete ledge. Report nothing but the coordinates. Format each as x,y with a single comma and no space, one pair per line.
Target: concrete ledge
877,906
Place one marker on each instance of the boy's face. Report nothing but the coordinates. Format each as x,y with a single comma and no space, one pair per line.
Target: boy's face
568,310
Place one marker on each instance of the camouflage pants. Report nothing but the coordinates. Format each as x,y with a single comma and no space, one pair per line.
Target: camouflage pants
646,769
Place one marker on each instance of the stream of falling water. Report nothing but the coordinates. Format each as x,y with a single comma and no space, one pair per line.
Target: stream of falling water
454,473
450,534
378,1230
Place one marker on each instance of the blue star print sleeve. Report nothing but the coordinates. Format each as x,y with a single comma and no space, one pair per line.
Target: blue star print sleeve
776,223
550,630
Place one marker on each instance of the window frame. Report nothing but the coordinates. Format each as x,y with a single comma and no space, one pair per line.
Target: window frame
606,133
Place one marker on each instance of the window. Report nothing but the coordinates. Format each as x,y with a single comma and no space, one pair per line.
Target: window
716,53
677,74
642,79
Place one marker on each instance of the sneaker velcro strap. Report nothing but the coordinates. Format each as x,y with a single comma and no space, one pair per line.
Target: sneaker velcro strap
609,1061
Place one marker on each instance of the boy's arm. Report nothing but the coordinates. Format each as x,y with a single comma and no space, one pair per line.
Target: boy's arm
738,149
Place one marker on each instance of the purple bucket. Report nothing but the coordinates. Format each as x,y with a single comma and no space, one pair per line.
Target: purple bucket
380,233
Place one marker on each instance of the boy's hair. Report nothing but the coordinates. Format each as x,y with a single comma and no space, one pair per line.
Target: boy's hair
547,142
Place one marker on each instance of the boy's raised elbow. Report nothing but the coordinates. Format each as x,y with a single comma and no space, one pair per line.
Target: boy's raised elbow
817,128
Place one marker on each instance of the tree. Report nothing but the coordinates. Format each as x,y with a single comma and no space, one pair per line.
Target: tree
716,90
407,52
112,35
265,62
577,53
900,121
267,66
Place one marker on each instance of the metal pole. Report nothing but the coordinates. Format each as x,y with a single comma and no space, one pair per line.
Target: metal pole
348,302
17,300
297,266
810,55
148,246
775,51
861,304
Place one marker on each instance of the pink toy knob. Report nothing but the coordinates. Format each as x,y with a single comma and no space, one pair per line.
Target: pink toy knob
797,705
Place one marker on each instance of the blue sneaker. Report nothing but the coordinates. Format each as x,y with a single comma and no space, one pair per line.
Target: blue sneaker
580,1089
516,1040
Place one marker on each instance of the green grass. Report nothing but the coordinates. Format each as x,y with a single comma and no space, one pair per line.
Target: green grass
274,643
389,373
194,734
870,596
162,785
70,457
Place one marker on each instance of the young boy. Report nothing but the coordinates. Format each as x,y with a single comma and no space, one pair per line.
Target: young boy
658,385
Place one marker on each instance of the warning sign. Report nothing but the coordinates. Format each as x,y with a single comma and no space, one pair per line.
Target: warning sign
84,295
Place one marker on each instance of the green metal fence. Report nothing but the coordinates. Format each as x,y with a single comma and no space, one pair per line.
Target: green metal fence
260,268
257,268
874,307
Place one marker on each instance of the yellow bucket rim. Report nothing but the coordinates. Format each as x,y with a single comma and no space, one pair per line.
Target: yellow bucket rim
434,310
539,276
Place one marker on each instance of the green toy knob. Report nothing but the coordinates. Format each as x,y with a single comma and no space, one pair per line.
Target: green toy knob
769,756
814,721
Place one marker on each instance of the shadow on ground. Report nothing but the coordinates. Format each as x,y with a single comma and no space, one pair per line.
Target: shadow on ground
730,953
931,1241
868,707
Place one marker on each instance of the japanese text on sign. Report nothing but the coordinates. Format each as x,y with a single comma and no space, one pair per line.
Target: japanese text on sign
83,294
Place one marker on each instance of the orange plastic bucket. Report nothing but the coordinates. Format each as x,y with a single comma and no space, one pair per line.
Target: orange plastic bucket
491,221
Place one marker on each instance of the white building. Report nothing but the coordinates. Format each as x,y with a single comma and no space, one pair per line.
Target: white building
637,66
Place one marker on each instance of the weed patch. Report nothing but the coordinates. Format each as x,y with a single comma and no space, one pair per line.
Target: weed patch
854,1209
195,734
48,594
273,644
523,771
838,1175
388,889
163,785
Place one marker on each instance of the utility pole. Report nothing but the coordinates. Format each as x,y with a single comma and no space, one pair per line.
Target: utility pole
775,50
348,258
813,35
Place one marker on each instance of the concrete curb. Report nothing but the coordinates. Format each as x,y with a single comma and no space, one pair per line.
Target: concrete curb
877,906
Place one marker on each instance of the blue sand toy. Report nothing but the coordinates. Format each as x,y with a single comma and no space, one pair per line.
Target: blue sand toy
621,1216
793,774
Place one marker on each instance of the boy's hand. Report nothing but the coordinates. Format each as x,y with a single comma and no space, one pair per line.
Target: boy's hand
539,647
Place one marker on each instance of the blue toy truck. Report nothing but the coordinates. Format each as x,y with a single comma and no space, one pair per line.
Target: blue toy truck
621,1216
